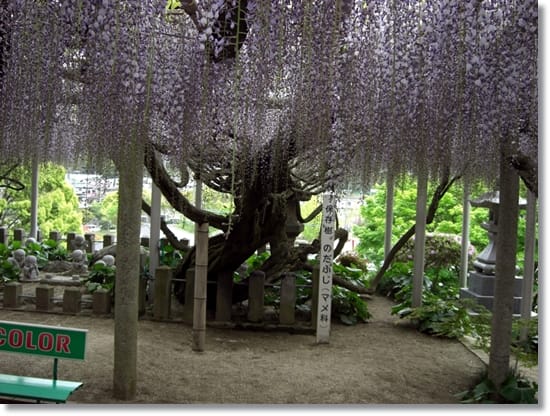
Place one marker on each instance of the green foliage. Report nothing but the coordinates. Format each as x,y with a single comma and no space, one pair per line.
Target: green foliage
312,228
348,306
442,251
173,4
169,255
255,261
101,276
44,251
442,312
106,210
54,250
447,318
58,207
515,390
8,271
526,351
448,218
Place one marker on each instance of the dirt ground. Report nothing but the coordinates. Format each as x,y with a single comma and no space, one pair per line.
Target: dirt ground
381,362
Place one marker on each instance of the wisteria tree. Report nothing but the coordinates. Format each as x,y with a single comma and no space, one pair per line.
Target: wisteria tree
269,101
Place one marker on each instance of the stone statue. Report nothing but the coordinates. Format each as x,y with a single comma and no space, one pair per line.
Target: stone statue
30,241
30,268
79,243
79,262
18,258
109,260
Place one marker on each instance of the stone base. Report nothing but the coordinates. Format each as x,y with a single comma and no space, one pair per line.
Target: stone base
487,301
484,284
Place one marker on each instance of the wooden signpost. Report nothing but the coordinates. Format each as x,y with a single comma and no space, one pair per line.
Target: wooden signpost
325,269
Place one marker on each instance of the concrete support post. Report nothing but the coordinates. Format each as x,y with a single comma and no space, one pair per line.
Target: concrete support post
130,168
163,292
529,261
465,241
101,302
189,294
420,237
34,199
224,297
19,234
44,295
90,240
256,291
389,215
12,293
70,238
54,235
287,310
108,240
4,236
71,300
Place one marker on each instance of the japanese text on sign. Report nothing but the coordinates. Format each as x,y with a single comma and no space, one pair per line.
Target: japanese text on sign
325,269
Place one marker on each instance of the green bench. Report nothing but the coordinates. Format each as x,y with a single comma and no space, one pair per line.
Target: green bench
51,341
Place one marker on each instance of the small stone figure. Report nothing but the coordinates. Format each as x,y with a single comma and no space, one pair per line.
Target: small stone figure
30,268
79,243
18,258
30,241
80,262
109,260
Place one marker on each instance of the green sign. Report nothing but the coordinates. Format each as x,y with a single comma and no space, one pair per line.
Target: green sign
51,341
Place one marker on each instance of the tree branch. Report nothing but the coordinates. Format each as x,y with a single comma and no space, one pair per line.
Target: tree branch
162,179
170,236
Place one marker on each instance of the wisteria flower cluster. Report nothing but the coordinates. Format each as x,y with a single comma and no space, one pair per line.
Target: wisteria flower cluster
351,89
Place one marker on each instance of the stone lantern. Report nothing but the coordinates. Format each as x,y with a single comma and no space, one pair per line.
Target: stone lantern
481,280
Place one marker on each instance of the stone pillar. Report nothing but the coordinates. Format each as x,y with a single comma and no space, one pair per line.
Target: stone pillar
19,234
71,300
70,238
189,294
55,235
256,296
314,294
108,240
90,239
287,315
44,295
101,302
12,293
224,297
163,292
4,236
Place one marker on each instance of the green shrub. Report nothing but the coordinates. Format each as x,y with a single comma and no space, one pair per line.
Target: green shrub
101,276
515,390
